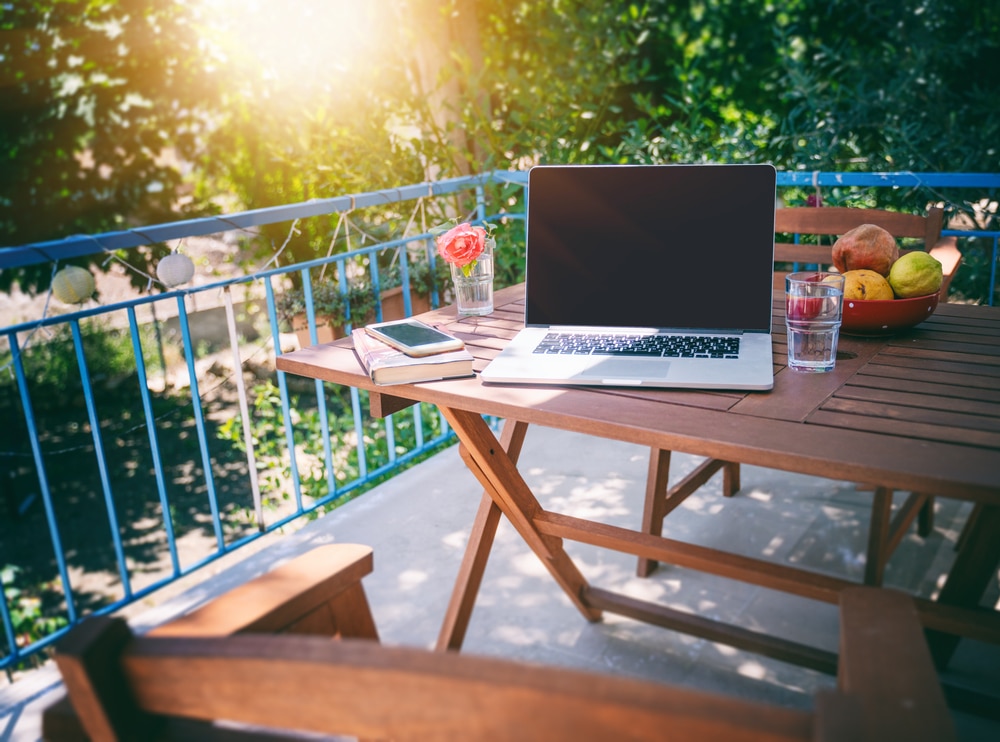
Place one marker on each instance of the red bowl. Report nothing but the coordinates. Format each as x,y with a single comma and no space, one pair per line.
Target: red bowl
886,317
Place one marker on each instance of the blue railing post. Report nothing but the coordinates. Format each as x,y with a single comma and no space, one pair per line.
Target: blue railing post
102,462
199,419
43,482
154,442
286,409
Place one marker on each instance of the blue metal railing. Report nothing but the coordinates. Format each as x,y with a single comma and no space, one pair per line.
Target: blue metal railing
926,184
428,430
359,265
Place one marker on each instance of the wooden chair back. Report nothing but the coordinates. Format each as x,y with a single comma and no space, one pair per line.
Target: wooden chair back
829,222
267,687
833,221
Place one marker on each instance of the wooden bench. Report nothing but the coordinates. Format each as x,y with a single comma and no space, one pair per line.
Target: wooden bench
170,686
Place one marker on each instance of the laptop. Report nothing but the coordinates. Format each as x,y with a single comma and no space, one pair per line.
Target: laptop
646,276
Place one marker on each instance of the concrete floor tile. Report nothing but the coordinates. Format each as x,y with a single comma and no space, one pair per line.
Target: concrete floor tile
418,524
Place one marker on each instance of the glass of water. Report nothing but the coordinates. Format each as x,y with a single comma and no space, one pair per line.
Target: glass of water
813,306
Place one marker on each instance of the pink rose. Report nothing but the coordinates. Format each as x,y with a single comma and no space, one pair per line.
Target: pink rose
461,245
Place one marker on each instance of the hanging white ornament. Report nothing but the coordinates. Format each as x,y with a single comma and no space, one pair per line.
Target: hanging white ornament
73,285
175,269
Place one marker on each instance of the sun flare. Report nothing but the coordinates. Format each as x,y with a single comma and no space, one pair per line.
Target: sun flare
298,45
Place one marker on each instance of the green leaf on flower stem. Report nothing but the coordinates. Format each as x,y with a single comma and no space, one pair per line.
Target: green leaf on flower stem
467,268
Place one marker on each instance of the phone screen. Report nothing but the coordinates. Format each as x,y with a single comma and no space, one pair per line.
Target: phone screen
413,334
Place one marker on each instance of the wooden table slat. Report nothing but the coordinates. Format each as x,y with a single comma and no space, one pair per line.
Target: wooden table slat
906,428
886,365
959,318
983,414
689,398
989,360
951,335
903,383
933,414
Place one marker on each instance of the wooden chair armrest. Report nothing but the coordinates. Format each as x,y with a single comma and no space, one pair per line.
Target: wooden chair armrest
318,592
947,253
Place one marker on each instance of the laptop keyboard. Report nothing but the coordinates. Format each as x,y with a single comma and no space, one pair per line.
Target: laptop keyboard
655,346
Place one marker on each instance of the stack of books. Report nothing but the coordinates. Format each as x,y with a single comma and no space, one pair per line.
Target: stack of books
386,365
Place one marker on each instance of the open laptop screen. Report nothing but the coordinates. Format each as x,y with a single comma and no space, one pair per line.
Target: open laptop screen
664,246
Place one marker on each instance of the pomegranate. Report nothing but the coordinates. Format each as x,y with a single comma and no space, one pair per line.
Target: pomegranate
868,247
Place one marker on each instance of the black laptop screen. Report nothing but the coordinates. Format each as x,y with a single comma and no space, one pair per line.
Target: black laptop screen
666,246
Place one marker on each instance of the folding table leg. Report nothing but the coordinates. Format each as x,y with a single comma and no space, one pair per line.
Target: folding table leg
655,505
878,536
477,552
661,500
497,473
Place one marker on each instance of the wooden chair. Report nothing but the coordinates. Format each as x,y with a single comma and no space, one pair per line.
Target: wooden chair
887,531
267,687
826,221
318,593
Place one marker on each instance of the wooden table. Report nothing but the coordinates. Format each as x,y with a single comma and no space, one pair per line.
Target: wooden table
918,412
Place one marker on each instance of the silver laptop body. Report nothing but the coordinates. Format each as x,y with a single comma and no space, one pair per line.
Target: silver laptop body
646,275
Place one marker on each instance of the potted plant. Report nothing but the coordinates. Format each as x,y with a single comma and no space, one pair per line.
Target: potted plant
422,285
330,310
425,281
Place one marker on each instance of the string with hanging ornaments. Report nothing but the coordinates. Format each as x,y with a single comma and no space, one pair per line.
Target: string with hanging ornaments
175,269
74,284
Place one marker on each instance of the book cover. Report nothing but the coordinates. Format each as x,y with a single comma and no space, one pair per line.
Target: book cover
386,365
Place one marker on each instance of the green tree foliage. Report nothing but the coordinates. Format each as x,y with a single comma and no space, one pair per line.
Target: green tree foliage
319,125
99,103
904,84
94,92
900,85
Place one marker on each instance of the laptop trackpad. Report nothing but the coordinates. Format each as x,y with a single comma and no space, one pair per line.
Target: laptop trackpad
627,368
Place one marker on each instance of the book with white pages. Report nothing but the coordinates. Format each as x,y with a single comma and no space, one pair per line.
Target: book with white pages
386,365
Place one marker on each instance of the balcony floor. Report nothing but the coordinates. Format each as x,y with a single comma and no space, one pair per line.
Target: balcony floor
418,524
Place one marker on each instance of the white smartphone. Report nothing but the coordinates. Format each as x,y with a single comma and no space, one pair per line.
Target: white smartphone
414,337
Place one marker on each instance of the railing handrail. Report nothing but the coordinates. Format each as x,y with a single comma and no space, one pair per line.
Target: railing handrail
80,245
902,178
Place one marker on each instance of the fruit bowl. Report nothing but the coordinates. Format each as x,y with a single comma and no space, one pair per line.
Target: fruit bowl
886,317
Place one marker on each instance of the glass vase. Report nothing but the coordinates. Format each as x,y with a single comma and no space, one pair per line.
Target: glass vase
474,292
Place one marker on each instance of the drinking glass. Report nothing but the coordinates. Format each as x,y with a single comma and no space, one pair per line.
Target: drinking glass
474,292
813,304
